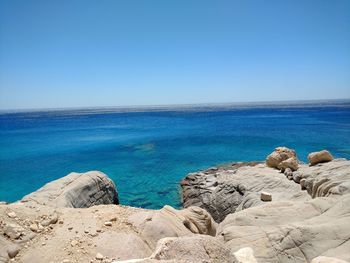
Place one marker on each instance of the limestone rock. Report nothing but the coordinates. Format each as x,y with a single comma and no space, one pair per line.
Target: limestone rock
76,190
320,157
278,155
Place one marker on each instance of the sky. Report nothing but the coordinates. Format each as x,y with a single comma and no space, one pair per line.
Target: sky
90,53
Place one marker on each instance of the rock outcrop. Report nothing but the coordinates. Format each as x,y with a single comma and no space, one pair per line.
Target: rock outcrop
227,189
296,225
320,157
291,231
78,190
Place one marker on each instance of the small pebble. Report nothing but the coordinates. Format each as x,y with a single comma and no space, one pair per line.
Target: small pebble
108,223
73,243
266,197
12,214
13,250
99,256
34,227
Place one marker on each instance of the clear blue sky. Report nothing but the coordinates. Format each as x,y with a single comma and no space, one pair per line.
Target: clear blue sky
110,53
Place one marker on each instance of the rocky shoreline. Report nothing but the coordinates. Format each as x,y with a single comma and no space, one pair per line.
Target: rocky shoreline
280,210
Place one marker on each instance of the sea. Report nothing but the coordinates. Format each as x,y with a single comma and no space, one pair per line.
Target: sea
148,150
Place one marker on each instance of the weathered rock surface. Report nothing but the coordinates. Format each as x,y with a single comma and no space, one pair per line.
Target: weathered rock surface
169,222
80,234
296,226
231,188
320,157
291,231
78,190
326,179
198,248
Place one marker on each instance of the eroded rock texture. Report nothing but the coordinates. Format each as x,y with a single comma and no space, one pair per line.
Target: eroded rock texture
231,188
78,190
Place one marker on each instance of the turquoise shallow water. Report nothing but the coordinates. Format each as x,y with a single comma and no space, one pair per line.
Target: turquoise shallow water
148,153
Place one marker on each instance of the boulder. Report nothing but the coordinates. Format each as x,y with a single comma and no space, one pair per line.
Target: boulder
291,163
279,155
78,190
320,157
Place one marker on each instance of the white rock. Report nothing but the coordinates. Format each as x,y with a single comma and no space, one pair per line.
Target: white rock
245,255
264,196
108,223
34,227
11,214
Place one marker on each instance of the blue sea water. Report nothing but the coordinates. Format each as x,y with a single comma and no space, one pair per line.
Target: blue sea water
148,152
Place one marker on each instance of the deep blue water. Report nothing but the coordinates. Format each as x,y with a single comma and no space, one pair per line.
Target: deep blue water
148,153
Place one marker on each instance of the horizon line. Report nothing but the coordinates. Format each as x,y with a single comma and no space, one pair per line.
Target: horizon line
164,107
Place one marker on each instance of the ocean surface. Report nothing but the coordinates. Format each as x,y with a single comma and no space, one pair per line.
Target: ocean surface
148,151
